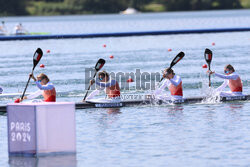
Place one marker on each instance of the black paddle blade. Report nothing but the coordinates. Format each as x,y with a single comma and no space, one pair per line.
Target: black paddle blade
99,64
177,59
208,56
37,57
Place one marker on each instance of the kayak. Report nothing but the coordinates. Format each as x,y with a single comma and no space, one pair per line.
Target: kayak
147,101
150,100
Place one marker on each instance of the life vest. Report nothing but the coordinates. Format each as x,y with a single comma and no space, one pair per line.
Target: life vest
113,91
49,95
176,90
235,85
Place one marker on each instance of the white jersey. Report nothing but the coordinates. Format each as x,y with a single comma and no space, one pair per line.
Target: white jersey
176,80
226,78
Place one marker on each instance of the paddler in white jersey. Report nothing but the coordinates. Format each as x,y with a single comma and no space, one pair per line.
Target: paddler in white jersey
46,89
111,87
231,79
174,84
3,30
20,30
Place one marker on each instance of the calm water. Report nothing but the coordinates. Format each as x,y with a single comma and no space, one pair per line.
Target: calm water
186,135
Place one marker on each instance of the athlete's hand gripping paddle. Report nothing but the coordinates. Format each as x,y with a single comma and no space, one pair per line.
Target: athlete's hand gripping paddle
100,63
175,61
36,58
208,57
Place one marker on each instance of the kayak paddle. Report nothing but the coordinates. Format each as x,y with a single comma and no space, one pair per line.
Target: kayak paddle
208,57
100,63
36,58
175,61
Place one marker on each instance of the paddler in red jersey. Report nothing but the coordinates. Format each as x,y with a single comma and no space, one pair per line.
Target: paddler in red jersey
174,84
46,88
231,79
111,87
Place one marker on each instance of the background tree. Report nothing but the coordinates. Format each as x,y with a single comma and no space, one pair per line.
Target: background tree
12,7
185,5
96,6
65,7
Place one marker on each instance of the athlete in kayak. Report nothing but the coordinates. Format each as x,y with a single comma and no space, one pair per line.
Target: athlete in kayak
174,84
20,30
3,30
231,79
110,86
46,89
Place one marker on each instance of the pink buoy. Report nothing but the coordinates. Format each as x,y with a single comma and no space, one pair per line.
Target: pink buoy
42,66
111,56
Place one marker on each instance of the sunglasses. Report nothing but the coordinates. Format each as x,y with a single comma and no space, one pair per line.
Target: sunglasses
100,78
40,79
226,72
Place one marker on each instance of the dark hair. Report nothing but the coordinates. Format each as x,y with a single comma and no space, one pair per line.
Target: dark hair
230,67
103,74
170,71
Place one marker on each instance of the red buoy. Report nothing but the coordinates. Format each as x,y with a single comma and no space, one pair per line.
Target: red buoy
104,45
204,66
213,43
111,56
17,100
169,50
48,51
42,66
130,80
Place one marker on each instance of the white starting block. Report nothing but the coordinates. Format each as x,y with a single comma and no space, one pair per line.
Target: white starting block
38,129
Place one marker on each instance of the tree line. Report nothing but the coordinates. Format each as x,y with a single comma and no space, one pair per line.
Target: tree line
63,7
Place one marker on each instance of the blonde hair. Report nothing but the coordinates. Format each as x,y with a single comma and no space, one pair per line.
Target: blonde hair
43,76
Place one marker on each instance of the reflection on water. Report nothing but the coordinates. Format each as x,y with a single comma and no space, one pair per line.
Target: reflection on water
109,117
50,161
175,108
235,106
114,111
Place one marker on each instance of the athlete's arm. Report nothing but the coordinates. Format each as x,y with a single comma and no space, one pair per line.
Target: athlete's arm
35,94
231,76
92,94
223,86
44,87
162,87
105,85
176,80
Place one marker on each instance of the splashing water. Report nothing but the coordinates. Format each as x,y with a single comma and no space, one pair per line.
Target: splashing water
210,93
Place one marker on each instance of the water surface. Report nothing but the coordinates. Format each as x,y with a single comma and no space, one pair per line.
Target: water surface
169,135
